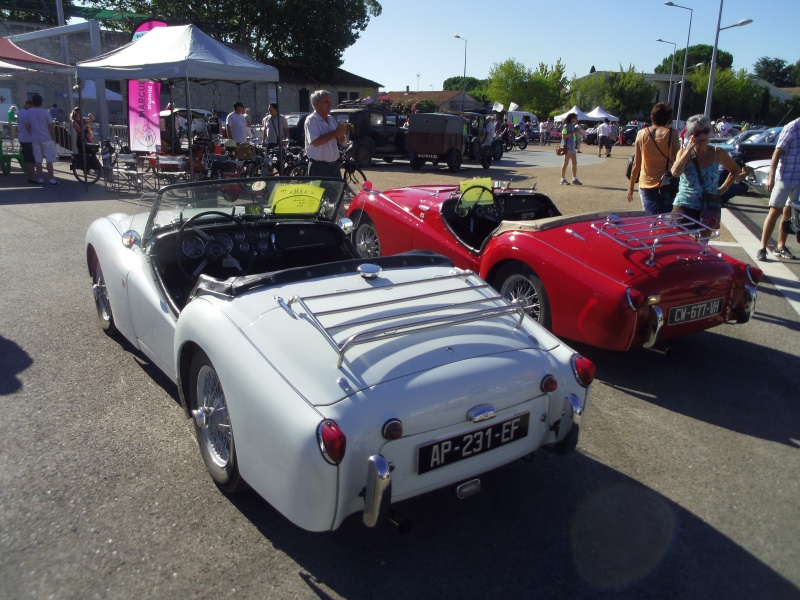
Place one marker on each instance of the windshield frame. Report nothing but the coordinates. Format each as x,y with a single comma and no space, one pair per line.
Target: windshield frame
253,198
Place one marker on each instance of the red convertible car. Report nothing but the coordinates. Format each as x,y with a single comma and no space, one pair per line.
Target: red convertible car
614,281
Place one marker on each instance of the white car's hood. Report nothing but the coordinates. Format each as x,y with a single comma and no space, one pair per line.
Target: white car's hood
303,340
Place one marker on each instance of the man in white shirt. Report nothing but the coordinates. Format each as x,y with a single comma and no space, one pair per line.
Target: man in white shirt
236,124
43,134
25,142
724,127
324,134
603,131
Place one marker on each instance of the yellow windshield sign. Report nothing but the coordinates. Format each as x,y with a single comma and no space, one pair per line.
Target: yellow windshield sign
484,182
296,199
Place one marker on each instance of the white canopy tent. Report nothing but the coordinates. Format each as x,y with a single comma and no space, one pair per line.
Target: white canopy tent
598,114
582,116
174,54
89,91
182,53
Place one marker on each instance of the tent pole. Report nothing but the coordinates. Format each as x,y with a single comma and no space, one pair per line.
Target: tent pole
280,142
189,122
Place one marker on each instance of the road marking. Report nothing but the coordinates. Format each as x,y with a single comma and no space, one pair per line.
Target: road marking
779,274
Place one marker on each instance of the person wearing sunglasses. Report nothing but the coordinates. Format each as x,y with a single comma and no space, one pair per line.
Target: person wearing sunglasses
697,165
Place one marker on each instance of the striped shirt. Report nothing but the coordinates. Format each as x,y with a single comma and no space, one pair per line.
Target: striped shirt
789,163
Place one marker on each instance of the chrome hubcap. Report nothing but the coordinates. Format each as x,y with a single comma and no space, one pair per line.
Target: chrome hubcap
367,241
211,416
519,289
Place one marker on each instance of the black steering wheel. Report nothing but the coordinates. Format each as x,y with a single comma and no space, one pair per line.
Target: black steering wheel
213,250
478,210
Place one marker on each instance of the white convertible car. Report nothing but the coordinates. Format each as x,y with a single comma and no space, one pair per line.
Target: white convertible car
328,383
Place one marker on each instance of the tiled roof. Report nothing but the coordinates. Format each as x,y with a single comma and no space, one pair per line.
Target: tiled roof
340,77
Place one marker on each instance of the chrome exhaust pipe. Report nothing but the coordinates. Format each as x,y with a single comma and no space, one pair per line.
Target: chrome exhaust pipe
403,524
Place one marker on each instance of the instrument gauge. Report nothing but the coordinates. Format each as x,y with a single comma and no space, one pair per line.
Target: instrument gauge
224,240
193,247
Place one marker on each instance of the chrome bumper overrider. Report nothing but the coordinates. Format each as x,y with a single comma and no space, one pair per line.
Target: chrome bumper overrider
749,305
656,324
378,496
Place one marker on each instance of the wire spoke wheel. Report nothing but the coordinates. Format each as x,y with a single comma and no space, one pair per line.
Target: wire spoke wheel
217,430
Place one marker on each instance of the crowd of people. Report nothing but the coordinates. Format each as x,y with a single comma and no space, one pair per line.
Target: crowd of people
679,173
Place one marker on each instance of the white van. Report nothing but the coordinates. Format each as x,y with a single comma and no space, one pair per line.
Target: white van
515,117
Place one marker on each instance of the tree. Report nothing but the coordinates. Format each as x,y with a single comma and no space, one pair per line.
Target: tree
699,53
547,87
29,11
454,84
628,93
510,82
278,32
588,91
735,94
774,70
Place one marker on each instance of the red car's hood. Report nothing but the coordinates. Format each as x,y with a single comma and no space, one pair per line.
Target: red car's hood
409,198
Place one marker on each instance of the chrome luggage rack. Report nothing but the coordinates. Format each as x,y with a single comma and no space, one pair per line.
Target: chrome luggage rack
403,319
648,232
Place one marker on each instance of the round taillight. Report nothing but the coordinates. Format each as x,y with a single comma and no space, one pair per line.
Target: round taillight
392,429
549,384
584,369
332,442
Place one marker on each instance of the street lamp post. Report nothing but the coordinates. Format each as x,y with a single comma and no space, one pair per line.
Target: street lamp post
672,68
464,88
685,58
710,92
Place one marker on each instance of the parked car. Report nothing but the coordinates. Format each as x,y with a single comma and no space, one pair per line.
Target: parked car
728,144
329,383
759,147
376,133
297,132
628,134
590,136
438,137
612,281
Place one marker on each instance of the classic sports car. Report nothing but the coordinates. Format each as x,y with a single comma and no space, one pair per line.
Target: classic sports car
329,383
612,281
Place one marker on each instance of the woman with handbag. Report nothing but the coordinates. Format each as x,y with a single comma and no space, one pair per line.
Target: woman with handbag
698,167
655,151
568,147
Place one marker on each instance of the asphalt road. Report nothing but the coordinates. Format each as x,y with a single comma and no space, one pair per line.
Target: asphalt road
684,484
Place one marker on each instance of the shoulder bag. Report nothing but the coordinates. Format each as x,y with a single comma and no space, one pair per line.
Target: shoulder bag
668,184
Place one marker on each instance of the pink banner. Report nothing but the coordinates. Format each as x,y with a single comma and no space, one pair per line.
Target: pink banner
143,119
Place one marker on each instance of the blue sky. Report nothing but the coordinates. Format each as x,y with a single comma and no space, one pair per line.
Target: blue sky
415,37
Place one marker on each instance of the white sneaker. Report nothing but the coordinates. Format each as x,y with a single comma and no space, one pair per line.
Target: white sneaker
575,181
564,182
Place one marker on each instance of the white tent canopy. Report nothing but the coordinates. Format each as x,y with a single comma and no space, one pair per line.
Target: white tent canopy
598,114
6,67
89,91
582,116
173,54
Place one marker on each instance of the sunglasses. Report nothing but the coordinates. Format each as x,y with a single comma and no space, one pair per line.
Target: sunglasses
703,131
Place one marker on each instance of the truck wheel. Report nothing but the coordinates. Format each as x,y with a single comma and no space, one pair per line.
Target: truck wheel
497,151
363,155
474,148
416,163
454,160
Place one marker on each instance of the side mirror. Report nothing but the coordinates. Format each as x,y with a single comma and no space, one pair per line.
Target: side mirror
131,238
